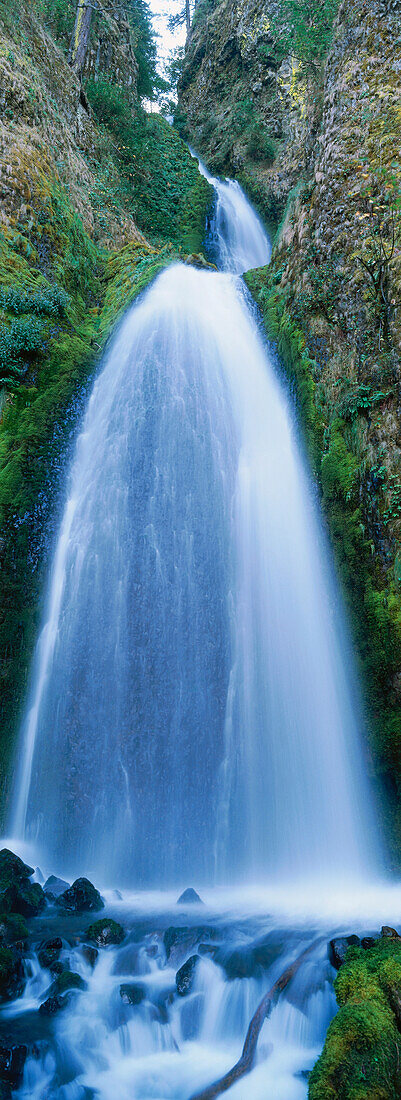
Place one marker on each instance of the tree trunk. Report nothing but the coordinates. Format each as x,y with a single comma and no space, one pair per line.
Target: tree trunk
187,16
246,1061
80,36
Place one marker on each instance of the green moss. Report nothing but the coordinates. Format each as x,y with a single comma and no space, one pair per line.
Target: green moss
360,1059
64,981
105,932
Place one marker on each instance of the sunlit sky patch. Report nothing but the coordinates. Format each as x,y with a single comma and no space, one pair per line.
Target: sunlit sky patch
166,40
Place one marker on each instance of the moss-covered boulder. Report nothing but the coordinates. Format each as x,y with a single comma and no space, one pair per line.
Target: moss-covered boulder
17,893
13,929
106,932
81,897
360,1059
12,978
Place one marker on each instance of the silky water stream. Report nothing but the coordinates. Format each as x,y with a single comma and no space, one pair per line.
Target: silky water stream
193,718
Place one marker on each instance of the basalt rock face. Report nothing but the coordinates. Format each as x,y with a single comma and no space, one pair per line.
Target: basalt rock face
244,108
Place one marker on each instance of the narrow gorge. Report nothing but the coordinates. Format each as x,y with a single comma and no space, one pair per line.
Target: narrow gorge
200,622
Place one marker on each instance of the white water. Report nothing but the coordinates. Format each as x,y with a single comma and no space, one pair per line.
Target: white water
192,715
236,232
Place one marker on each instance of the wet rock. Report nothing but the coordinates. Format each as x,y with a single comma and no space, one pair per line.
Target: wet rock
197,259
190,897
132,993
49,951
65,981
54,887
338,949
52,1005
12,977
389,933
81,897
367,942
12,868
185,976
179,941
90,954
5,1091
106,932
23,897
12,1061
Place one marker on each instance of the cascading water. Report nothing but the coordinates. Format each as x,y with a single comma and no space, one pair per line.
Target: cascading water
192,713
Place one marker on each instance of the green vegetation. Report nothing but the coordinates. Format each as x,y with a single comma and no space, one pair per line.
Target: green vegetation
361,1056
164,190
304,29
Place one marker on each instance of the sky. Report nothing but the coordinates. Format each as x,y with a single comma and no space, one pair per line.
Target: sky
161,9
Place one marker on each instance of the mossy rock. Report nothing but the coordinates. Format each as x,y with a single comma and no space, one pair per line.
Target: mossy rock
106,932
65,981
360,1059
12,868
12,979
13,928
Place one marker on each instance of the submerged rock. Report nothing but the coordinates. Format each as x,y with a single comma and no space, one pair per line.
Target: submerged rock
106,932
54,887
338,949
52,1005
132,993
189,897
185,976
81,897
178,941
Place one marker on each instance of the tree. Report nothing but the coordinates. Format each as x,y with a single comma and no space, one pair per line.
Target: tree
80,36
304,29
181,17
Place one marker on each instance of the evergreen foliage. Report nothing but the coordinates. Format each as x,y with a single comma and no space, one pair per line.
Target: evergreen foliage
304,29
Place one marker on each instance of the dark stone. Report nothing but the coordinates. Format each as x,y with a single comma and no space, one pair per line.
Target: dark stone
90,954
52,1005
338,949
5,1090
132,993
12,1061
189,897
184,978
106,932
81,897
12,868
367,942
49,951
53,886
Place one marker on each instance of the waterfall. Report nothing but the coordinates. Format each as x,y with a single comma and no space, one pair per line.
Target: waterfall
192,712
237,239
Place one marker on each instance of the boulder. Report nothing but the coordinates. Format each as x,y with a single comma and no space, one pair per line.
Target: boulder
190,897
106,932
367,942
81,897
12,868
65,981
179,941
53,887
185,976
12,1061
338,949
49,951
389,933
132,993
23,897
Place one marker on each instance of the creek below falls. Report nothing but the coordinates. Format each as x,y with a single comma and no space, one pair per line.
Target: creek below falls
193,716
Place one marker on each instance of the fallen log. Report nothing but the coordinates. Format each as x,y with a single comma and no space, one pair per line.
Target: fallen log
246,1061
